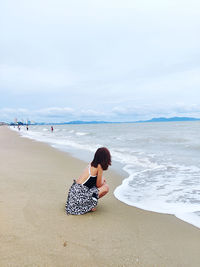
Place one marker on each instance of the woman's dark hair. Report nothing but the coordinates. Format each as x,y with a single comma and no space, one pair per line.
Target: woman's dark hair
102,157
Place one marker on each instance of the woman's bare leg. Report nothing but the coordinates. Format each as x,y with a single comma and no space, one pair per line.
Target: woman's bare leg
103,190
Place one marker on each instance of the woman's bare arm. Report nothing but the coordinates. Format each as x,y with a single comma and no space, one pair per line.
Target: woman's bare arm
99,176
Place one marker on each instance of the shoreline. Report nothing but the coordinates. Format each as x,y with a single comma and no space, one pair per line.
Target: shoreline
117,166
35,231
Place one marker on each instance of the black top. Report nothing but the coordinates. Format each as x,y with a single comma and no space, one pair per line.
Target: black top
91,181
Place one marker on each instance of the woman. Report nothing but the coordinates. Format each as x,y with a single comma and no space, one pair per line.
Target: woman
90,186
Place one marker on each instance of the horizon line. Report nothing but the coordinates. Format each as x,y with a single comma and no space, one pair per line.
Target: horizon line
156,119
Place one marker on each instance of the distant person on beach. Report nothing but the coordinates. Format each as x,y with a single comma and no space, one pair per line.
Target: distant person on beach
90,186
52,128
27,127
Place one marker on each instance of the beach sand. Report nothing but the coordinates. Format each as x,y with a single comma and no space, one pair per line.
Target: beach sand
35,231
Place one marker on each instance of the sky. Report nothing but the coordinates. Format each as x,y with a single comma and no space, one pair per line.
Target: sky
112,60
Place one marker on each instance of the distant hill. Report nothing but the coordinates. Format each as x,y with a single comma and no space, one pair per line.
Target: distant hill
163,119
86,122
74,122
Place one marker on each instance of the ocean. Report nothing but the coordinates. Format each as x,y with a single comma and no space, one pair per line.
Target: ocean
161,160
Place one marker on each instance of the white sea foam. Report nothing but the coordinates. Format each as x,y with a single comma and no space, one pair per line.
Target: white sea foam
80,133
190,217
164,189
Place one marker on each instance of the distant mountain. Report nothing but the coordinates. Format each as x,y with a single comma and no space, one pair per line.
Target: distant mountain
62,123
163,119
75,122
86,122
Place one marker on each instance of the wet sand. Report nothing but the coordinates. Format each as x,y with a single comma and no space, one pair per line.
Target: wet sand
35,231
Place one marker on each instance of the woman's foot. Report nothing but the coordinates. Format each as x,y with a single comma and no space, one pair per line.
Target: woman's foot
93,209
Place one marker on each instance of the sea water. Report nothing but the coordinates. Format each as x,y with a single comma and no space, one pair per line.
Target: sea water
162,160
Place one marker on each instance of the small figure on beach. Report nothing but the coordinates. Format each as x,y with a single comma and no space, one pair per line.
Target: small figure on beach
51,128
27,127
90,186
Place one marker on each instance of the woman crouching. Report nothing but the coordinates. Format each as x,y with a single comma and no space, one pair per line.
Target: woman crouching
90,186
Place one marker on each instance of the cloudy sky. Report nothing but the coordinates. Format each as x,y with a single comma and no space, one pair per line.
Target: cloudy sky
115,60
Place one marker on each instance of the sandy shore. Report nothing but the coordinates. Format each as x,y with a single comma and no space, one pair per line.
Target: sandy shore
35,231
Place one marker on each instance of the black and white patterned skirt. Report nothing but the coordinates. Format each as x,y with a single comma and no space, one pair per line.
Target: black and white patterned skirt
81,199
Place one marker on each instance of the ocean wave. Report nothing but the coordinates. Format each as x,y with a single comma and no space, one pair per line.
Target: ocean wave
81,133
165,189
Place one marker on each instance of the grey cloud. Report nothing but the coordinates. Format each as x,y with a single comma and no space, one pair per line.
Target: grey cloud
102,59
